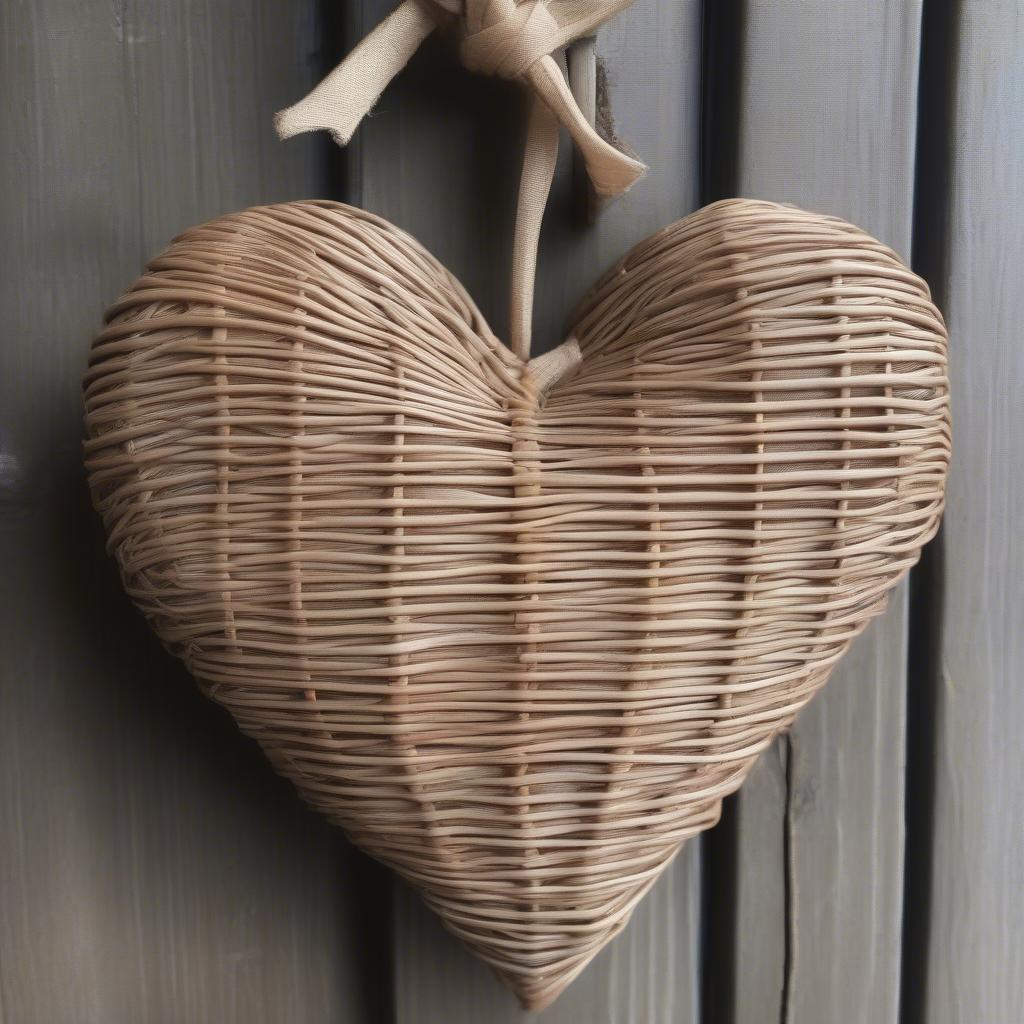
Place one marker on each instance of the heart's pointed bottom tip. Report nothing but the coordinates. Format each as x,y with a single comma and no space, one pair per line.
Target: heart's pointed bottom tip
535,994
534,1002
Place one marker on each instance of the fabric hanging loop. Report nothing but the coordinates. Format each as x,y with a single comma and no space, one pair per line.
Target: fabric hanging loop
497,37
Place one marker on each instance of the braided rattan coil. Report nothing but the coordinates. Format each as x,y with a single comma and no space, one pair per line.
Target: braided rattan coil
518,634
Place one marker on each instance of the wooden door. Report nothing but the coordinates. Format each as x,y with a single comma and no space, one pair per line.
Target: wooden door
152,867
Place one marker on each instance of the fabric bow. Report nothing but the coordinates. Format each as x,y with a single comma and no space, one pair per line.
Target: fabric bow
510,38
497,37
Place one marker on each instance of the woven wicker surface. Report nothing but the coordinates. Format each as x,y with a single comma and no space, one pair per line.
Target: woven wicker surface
518,644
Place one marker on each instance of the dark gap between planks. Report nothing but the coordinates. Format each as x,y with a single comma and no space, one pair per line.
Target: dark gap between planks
933,167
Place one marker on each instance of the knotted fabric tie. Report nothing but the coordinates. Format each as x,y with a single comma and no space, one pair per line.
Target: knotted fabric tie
506,38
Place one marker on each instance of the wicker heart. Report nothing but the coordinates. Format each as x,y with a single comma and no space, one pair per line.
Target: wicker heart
518,629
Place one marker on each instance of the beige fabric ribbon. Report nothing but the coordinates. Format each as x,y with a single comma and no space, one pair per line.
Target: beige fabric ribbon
508,38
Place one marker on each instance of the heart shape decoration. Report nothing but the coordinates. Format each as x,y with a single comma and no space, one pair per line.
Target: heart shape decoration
518,627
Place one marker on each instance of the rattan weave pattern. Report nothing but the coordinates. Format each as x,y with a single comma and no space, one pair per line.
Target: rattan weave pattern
518,635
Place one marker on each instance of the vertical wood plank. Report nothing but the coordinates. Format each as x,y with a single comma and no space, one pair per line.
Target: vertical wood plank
154,869
827,112
971,932
441,158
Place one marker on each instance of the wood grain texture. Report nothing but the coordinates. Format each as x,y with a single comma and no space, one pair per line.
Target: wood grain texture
973,948
827,104
441,159
154,869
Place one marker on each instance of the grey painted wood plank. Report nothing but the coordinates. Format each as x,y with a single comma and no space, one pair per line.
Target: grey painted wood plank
974,952
827,121
154,869
441,158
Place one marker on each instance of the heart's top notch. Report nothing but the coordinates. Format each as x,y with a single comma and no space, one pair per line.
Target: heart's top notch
507,38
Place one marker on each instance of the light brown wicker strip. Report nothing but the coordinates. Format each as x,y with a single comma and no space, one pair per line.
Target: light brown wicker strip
518,628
